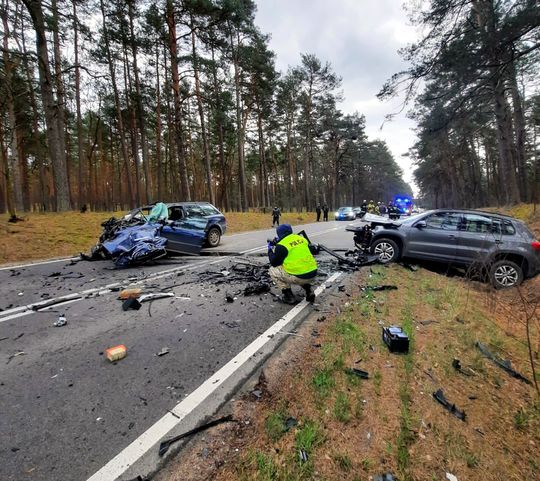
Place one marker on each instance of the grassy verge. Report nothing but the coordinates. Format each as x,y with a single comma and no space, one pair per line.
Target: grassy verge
353,429
46,235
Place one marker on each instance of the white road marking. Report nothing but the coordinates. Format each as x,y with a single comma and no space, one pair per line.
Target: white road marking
39,263
27,309
117,466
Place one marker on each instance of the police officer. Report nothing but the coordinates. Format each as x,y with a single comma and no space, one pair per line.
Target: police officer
276,214
325,212
318,211
292,262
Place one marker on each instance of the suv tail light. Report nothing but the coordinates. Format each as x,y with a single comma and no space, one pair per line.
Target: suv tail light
535,245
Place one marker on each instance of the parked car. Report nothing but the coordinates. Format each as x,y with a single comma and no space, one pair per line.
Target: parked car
182,212
358,212
345,213
501,245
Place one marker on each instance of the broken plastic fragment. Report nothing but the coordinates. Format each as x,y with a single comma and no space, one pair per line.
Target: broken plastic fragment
502,363
165,445
290,423
451,477
61,321
357,372
384,288
129,293
439,397
303,455
164,350
131,303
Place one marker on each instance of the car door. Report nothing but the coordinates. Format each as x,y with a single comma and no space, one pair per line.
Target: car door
477,238
185,236
437,240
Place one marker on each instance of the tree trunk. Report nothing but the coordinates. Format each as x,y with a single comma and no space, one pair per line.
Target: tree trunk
51,108
140,111
206,153
219,127
81,170
4,165
184,179
158,130
119,118
239,126
519,124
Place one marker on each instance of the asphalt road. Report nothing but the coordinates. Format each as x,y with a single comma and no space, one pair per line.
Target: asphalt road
65,410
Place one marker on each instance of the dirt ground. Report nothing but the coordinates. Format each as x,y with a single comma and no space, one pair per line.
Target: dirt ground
355,429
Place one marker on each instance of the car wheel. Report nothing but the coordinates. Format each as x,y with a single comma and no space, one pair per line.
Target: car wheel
504,274
386,249
214,237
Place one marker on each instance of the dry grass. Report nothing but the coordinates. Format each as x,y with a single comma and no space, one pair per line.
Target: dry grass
391,423
48,235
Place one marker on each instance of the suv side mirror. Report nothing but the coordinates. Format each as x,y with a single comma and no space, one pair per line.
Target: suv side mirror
421,224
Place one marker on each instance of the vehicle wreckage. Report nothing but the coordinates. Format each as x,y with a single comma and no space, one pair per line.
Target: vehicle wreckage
134,240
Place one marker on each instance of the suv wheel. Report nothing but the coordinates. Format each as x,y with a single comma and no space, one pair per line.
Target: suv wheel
386,249
214,237
505,273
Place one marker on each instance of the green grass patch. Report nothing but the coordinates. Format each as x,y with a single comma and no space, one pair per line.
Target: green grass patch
323,381
266,467
342,408
343,461
274,425
309,436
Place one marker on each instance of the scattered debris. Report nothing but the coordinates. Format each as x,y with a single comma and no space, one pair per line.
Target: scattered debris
165,445
116,353
53,302
451,477
384,477
257,393
303,455
456,364
229,298
130,293
231,324
131,303
428,322
257,288
155,295
502,363
357,372
411,267
383,288
290,423
439,397
18,353
61,321
395,339
164,350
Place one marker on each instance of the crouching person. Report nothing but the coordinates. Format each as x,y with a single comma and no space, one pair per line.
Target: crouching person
292,262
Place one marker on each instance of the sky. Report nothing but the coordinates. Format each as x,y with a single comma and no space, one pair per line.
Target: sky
360,38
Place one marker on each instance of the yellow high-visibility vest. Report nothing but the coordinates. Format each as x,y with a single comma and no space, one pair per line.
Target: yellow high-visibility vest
299,259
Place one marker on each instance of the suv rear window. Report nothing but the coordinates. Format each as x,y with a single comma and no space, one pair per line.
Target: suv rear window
503,226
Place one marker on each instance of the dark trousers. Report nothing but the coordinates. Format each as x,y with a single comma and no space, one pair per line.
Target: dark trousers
318,216
326,216
275,220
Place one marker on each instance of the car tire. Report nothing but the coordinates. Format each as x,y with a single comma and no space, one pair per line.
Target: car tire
213,238
504,274
386,249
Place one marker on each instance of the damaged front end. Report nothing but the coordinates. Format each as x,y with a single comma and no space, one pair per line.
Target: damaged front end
135,239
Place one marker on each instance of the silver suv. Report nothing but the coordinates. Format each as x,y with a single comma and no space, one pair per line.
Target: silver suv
500,245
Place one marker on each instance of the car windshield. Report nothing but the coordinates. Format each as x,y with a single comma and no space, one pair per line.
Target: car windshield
345,209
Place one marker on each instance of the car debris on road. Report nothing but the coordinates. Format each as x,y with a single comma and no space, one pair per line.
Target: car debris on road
441,399
116,353
504,364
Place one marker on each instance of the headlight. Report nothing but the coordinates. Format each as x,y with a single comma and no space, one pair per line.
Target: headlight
336,214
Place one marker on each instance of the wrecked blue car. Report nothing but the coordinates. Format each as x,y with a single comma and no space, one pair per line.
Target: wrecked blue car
134,241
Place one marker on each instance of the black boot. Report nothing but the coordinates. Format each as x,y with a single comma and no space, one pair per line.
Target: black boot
287,296
310,295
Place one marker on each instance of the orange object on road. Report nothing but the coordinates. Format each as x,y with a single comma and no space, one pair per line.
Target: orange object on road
130,293
116,353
